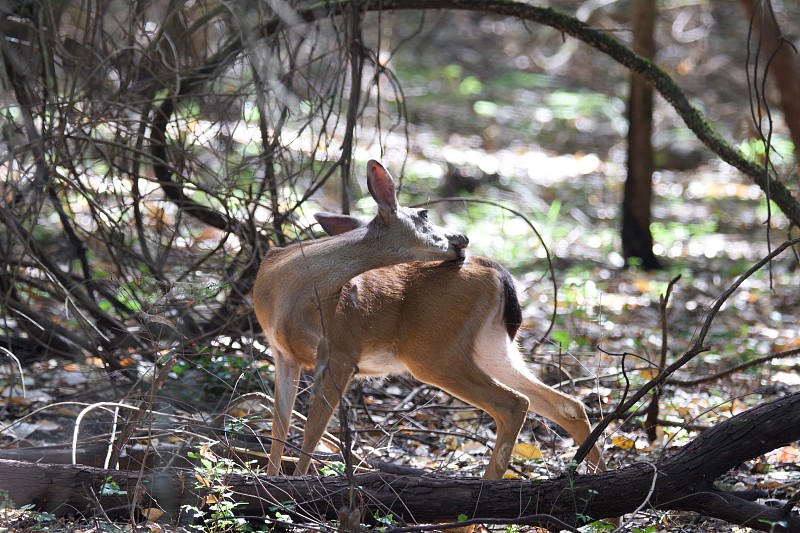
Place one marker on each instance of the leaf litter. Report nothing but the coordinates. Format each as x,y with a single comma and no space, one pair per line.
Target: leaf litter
600,310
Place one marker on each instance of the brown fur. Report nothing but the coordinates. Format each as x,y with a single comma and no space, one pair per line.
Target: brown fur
396,296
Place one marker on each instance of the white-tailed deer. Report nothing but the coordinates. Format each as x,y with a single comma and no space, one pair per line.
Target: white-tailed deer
398,296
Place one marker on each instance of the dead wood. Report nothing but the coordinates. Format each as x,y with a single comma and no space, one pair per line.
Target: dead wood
684,481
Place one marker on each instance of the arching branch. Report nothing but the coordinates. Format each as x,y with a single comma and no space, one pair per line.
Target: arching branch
603,42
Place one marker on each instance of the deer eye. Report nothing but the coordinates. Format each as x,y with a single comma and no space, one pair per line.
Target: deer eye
423,214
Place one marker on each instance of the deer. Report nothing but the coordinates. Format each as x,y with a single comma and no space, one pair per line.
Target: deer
399,295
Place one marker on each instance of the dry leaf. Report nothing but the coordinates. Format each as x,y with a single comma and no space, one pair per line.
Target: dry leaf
525,450
623,442
152,513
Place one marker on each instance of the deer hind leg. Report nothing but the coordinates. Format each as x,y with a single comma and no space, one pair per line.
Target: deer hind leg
335,378
461,377
564,410
287,377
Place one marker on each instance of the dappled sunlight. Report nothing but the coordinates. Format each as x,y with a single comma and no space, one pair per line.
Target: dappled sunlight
154,169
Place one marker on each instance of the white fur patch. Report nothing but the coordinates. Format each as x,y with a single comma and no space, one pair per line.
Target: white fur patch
381,364
498,356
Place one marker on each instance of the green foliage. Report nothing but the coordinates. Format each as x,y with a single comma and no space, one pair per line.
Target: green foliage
5,500
109,487
238,424
189,110
284,518
41,520
385,520
452,71
782,148
666,233
561,337
570,105
597,526
137,291
485,108
250,113
470,86
44,520
493,95
217,513
761,210
334,468
516,79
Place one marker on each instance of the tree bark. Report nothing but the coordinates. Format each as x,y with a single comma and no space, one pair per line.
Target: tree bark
637,241
684,481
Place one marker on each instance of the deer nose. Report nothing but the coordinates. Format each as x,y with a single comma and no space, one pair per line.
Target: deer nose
459,240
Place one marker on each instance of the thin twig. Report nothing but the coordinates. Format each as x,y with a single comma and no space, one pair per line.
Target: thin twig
652,411
696,348
734,369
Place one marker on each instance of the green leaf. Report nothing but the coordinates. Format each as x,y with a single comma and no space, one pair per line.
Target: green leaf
561,337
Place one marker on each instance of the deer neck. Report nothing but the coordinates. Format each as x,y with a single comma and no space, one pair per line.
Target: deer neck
324,266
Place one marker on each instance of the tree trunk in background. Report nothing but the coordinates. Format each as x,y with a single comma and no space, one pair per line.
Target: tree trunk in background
637,241
782,69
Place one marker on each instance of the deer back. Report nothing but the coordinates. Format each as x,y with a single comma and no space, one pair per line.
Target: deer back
418,310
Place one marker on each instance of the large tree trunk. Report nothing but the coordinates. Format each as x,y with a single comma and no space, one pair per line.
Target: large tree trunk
637,241
684,481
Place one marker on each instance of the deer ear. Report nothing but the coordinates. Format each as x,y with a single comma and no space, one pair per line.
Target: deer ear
334,224
381,186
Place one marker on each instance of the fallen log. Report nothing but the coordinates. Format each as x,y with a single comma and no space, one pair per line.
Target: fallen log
683,481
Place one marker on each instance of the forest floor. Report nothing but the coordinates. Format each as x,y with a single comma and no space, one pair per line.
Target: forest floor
544,133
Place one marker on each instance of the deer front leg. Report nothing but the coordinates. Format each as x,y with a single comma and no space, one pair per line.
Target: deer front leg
334,380
287,377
